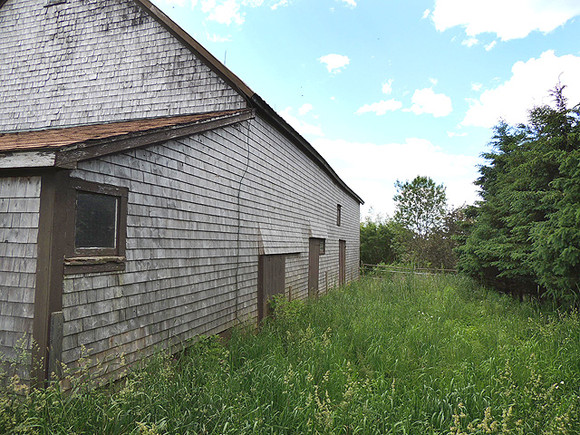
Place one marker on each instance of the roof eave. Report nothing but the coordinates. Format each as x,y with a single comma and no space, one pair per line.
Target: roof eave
288,131
69,155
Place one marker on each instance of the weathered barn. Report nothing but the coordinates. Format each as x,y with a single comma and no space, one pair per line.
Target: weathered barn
147,195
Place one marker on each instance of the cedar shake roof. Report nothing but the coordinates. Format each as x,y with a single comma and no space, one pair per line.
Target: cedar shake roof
63,137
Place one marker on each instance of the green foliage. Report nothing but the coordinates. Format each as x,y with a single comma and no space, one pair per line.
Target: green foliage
526,233
429,231
420,205
391,241
556,240
420,355
378,240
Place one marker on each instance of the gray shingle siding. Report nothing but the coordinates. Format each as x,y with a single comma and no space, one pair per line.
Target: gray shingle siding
95,61
19,211
187,273
201,209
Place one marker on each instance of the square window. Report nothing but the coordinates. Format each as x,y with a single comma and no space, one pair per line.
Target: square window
96,221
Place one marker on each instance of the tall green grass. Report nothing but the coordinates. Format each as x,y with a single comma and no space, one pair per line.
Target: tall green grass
411,355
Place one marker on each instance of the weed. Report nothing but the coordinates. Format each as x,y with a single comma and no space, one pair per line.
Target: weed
414,355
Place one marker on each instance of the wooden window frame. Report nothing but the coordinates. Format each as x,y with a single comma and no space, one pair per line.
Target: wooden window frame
338,215
88,260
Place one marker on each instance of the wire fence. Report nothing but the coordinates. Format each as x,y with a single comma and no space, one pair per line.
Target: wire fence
407,270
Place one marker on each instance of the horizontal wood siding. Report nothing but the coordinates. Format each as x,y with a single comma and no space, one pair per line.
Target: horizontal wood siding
97,61
19,208
197,210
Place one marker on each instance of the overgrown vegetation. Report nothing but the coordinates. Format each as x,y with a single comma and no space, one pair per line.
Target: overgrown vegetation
525,238
413,355
423,232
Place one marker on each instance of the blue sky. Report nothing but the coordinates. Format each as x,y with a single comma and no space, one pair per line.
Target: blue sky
392,89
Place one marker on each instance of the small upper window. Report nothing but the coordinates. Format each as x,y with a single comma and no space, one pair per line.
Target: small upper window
338,214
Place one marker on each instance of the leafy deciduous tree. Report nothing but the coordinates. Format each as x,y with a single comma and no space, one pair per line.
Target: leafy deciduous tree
420,205
377,241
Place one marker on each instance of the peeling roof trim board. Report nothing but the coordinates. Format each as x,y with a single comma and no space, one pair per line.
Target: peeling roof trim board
30,159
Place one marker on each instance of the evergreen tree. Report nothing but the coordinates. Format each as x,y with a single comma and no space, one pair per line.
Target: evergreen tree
526,231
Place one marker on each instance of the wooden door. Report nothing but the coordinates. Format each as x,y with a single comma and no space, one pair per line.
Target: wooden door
271,281
313,267
341,262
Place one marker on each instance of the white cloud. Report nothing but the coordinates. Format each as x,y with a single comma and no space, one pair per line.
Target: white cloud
476,87
433,81
455,134
470,42
279,4
528,87
219,38
388,87
426,13
299,125
334,62
507,19
223,11
427,101
373,178
490,46
380,108
304,109
226,11
350,3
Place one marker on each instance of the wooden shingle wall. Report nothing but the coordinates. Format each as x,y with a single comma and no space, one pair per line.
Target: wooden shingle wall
19,211
198,209
95,61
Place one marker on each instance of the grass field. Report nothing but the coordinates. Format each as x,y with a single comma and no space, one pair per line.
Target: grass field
404,355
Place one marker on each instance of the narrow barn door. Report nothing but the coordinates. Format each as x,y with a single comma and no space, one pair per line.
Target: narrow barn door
313,266
271,281
341,262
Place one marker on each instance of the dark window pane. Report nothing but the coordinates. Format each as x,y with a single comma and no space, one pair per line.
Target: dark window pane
96,220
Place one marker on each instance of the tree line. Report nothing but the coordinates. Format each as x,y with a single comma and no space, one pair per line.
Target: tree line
423,232
523,235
